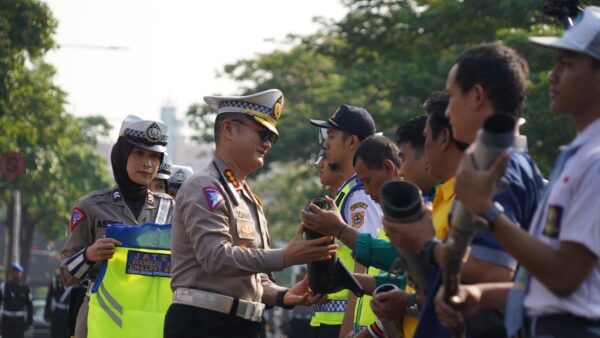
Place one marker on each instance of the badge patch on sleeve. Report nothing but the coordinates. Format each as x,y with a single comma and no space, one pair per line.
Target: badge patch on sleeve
358,205
213,197
76,217
148,264
358,219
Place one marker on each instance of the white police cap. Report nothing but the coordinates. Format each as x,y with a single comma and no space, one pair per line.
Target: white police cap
148,134
164,171
583,37
179,174
265,107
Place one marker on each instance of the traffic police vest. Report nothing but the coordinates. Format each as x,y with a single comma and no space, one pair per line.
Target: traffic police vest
132,293
363,315
332,313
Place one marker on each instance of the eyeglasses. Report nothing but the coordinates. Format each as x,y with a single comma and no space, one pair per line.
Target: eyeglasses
265,134
322,136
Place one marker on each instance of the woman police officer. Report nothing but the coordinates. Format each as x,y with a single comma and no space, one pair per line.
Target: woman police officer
135,158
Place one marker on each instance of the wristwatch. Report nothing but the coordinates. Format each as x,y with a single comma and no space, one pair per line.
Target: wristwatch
486,220
279,300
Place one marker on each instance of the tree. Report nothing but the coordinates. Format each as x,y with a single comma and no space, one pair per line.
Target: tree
59,149
285,190
388,56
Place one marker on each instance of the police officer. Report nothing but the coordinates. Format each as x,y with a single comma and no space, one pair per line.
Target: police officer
346,128
180,173
15,299
220,243
160,183
135,158
56,311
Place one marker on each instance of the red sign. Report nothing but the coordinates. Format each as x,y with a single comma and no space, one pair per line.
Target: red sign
12,165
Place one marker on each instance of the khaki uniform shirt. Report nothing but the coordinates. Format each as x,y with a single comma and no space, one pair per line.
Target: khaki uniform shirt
220,241
88,223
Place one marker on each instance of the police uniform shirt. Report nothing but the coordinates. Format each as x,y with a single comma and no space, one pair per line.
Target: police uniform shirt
218,246
90,217
572,214
15,298
362,213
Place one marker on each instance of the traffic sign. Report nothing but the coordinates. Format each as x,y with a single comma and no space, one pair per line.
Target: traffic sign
12,165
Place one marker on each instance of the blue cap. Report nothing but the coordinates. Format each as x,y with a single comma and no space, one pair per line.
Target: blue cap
354,120
17,267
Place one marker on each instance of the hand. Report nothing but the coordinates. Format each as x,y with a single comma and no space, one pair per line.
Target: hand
326,222
301,294
300,250
102,249
389,306
475,188
467,303
411,236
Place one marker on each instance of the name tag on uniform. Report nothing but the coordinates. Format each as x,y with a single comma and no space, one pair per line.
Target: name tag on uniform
553,218
148,264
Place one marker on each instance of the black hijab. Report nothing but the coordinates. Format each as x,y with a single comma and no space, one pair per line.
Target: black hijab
134,194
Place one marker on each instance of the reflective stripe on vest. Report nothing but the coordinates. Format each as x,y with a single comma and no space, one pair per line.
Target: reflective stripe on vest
132,293
363,315
323,315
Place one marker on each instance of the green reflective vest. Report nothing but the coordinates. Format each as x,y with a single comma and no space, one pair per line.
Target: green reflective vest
332,313
132,293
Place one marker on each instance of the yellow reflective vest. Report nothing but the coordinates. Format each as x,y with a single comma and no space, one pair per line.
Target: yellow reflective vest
132,293
332,313
363,315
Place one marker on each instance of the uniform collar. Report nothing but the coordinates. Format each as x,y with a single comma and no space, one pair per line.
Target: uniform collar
228,173
588,134
446,189
117,198
352,181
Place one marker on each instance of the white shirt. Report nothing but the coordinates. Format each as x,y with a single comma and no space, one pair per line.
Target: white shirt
572,214
362,213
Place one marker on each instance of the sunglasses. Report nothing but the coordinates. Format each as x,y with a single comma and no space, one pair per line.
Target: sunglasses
265,134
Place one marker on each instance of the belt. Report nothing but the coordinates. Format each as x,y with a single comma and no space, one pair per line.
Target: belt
220,303
562,323
13,313
61,306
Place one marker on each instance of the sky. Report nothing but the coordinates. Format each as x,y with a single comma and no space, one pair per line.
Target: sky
168,51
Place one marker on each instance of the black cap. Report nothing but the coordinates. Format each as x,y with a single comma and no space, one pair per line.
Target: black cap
353,120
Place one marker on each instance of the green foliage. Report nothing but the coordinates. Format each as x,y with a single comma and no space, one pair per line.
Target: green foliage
62,164
388,56
285,190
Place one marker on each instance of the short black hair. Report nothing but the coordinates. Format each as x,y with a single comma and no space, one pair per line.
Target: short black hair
435,107
374,150
500,70
219,122
412,132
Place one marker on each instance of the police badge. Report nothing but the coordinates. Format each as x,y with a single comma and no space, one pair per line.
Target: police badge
277,108
153,133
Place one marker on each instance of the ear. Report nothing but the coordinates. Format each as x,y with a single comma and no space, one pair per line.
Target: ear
354,142
445,139
479,96
389,167
227,129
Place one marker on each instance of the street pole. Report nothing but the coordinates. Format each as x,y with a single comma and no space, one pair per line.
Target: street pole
17,226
